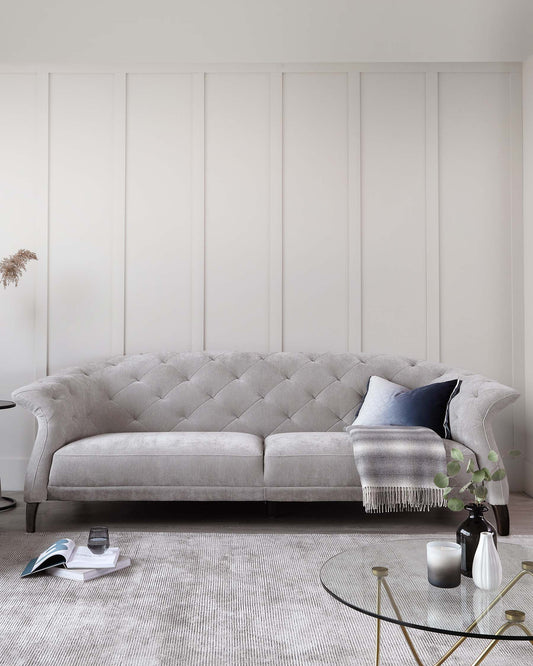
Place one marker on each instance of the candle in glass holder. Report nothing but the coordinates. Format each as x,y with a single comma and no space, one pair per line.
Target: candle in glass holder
444,563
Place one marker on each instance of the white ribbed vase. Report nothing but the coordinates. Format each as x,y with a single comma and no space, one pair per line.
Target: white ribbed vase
487,566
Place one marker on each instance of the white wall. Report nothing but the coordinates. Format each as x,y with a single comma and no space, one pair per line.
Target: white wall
528,267
158,31
306,207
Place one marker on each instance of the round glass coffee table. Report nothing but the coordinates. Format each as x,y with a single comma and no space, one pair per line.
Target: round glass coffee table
6,502
389,582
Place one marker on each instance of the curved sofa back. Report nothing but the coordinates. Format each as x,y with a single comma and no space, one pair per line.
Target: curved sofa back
247,392
257,393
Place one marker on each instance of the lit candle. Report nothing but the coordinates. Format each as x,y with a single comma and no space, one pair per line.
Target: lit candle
444,563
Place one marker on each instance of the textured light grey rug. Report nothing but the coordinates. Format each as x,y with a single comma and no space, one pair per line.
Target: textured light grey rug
203,599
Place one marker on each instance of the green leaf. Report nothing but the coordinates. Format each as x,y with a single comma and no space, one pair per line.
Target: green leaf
481,494
467,486
479,476
498,475
487,474
441,480
493,456
447,491
515,453
455,504
453,468
457,455
470,467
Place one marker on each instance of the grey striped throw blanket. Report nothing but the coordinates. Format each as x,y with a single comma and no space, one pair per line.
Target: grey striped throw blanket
397,465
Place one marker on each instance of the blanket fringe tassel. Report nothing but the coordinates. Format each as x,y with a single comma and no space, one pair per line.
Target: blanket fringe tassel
381,500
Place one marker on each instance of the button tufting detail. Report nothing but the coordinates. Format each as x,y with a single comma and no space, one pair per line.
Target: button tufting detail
248,392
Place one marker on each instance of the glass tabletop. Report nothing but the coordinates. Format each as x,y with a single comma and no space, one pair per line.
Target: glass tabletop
349,578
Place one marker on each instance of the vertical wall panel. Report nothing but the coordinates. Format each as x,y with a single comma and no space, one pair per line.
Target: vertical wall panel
237,198
475,222
432,218
118,240
198,213
19,219
81,217
158,205
315,213
355,321
393,213
276,213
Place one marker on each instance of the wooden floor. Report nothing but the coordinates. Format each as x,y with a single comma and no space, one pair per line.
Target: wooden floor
247,517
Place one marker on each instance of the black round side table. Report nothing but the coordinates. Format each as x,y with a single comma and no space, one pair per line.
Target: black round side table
6,502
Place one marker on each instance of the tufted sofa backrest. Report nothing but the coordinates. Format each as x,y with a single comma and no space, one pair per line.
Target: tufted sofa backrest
258,393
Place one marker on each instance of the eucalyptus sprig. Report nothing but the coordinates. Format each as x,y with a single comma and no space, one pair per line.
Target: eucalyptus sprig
476,486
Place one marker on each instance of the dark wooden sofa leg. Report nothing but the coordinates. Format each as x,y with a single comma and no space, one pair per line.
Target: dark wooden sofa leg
501,512
31,515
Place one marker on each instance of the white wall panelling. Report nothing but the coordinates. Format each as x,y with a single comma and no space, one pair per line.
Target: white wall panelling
237,201
475,222
309,207
118,234
81,217
42,191
315,211
198,213
393,218
158,212
276,212
355,274
432,218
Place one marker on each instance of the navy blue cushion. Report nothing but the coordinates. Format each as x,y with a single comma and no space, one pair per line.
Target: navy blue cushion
386,403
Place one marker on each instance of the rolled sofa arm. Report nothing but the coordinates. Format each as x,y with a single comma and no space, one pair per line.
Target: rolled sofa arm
62,405
472,413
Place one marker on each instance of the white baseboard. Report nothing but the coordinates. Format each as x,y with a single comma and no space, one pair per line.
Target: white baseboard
12,471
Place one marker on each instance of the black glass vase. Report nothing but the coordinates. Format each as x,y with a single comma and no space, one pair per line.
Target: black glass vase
468,535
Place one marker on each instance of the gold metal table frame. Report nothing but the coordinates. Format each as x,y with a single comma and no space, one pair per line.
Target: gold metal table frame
514,618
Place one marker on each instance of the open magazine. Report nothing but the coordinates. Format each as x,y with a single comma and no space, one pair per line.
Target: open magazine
64,553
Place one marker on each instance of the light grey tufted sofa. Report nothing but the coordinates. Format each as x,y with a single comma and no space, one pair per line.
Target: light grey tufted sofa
228,426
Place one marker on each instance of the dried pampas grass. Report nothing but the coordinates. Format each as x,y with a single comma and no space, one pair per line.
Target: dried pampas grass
12,267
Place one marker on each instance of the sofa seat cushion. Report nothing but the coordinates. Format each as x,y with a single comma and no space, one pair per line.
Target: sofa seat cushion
160,459
323,459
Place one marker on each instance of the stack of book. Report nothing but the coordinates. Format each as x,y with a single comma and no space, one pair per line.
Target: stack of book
66,560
